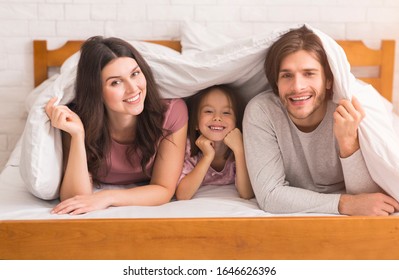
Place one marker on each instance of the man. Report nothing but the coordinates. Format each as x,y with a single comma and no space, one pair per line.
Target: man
302,150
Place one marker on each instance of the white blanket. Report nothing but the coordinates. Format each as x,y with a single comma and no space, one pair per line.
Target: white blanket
239,62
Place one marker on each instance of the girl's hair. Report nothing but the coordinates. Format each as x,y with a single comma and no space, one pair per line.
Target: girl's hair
96,53
295,40
193,103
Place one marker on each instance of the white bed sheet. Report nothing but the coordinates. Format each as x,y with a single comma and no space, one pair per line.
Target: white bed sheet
16,203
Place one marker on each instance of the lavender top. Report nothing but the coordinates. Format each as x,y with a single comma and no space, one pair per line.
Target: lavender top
224,177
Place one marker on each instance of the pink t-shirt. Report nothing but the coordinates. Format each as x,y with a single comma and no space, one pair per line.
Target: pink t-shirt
224,177
120,171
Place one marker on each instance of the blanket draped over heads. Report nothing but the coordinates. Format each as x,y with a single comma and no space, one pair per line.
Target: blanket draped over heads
240,63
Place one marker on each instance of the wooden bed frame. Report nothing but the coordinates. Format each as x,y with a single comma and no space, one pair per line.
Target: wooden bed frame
306,238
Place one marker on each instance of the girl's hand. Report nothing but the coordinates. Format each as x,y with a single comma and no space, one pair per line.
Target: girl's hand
206,146
81,204
63,118
347,118
234,140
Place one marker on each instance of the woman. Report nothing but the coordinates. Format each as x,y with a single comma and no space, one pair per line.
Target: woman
119,131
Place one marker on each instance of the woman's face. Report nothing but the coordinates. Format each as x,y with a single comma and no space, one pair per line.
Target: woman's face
124,87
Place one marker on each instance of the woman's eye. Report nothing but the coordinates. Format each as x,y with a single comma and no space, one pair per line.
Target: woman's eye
135,73
115,83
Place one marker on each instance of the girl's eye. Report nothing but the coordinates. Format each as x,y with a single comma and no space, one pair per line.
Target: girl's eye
136,73
309,74
227,113
207,111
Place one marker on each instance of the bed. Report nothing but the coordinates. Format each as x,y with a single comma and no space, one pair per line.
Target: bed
215,225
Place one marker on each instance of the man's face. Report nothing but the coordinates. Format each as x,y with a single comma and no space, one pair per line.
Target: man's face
302,88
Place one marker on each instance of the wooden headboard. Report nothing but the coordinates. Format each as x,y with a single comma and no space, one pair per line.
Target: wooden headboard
359,55
44,58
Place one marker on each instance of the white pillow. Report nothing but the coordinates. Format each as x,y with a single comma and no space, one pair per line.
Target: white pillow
32,96
41,146
41,150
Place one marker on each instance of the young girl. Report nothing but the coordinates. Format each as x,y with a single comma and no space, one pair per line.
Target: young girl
119,132
215,152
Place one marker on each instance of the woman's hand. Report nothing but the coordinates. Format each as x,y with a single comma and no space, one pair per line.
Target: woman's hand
347,118
63,118
81,204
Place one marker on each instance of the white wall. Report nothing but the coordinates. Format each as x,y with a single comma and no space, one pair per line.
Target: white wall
21,21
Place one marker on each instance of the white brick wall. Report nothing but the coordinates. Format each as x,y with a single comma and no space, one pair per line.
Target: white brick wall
21,21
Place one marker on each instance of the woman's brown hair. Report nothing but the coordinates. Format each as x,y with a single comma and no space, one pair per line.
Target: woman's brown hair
96,53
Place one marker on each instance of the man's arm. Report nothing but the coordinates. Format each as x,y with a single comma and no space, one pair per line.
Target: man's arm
266,169
347,118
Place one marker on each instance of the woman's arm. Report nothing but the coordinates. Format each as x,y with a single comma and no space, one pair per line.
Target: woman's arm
76,179
235,142
167,168
166,171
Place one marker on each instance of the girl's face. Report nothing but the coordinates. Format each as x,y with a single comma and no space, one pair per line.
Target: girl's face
124,87
216,117
302,88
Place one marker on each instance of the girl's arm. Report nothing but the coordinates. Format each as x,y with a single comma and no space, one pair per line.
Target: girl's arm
166,171
243,184
76,179
190,183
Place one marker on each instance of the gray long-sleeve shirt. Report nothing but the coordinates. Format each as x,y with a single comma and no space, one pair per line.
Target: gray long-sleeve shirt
292,171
